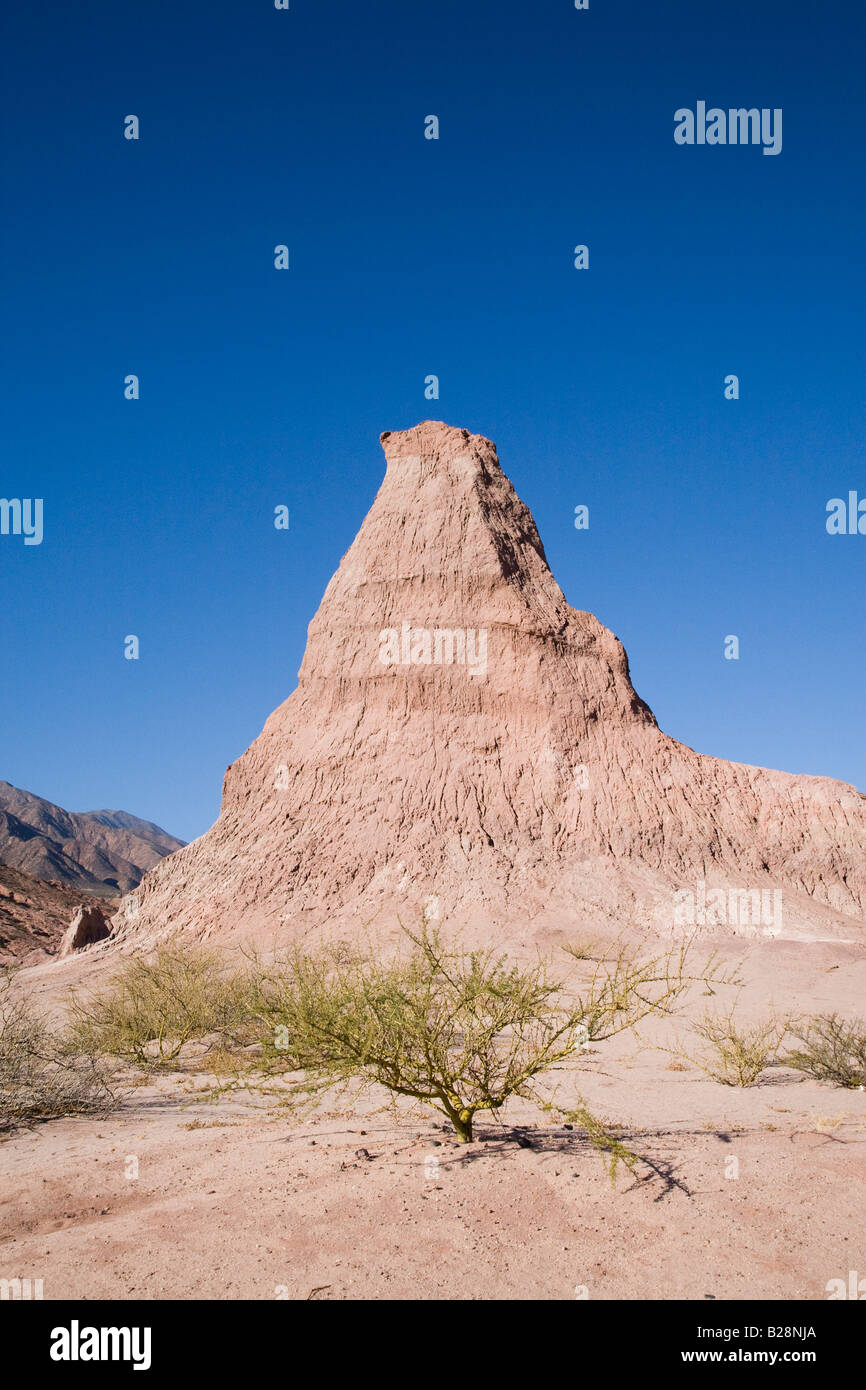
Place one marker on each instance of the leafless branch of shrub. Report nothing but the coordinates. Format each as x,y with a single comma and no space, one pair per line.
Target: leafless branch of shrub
41,1076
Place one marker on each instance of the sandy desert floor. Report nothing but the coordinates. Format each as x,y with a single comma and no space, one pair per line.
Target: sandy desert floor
238,1200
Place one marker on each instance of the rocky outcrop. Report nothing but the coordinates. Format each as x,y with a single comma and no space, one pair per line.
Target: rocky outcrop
34,916
463,743
86,928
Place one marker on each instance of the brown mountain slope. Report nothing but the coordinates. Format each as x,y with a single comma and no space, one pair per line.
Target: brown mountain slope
101,853
526,784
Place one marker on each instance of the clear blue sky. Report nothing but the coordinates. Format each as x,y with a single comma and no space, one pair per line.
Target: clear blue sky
409,257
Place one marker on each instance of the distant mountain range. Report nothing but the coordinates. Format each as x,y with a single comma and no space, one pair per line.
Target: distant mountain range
99,854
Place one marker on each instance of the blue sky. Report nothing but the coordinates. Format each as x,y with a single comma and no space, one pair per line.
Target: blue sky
411,257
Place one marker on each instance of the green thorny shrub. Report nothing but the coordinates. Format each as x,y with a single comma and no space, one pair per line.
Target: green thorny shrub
42,1076
833,1049
461,1031
153,1007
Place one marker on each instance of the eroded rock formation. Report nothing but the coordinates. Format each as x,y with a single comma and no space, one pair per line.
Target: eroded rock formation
529,789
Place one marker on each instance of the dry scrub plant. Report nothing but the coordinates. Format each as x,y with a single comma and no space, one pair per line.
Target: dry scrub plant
833,1049
41,1076
736,1056
153,1007
461,1031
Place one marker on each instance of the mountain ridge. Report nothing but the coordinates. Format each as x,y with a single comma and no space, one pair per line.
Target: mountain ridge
101,853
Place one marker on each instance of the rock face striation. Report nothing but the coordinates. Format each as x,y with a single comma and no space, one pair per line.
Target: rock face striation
463,744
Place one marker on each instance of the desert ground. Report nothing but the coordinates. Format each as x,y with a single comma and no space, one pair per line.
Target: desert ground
741,1193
